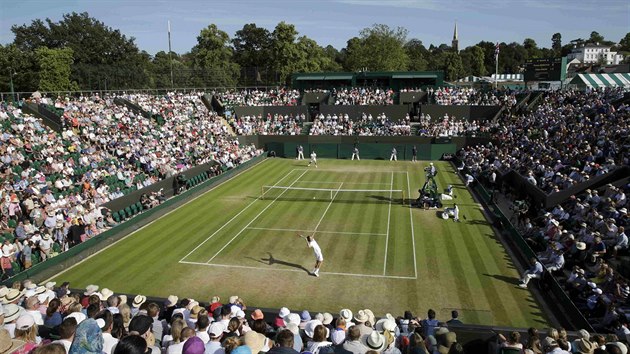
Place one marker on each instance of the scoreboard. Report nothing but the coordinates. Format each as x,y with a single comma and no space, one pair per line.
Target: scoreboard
545,69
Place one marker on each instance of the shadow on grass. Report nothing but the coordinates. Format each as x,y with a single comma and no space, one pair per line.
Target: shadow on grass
271,261
509,280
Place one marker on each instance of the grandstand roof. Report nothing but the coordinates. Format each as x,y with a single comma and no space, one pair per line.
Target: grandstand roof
602,80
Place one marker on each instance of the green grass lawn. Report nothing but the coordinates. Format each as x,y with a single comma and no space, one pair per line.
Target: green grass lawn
378,252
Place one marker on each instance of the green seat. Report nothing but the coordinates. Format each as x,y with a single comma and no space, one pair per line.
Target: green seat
116,216
16,267
128,211
56,248
139,206
35,258
134,208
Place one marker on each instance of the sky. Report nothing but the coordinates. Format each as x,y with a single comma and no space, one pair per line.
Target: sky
333,22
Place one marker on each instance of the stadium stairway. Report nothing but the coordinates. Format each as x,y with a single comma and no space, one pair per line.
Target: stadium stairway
414,128
228,126
306,128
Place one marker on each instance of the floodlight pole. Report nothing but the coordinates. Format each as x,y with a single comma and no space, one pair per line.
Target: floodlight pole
496,71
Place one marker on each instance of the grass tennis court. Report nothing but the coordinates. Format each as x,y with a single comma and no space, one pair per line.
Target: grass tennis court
378,252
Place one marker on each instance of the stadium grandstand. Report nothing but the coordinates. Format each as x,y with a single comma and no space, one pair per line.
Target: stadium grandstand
563,204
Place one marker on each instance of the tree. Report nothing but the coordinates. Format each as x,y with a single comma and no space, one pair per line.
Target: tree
285,51
19,65
55,69
101,54
379,48
252,51
596,38
556,43
532,48
417,54
473,60
624,43
453,68
214,56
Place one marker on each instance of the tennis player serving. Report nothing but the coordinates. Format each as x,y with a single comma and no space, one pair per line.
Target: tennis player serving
319,258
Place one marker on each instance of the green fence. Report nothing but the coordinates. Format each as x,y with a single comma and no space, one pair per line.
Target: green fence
379,151
66,259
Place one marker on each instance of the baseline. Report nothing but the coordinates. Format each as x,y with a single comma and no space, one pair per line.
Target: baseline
321,232
297,270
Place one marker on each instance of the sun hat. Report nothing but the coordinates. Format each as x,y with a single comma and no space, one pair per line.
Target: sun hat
50,285
123,299
305,316
346,314
7,344
385,324
370,316
293,318
440,331
193,345
328,318
172,301
24,322
309,328
580,246
361,316
79,316
13,295
214,299
319,316
233,299
284,312
3,294
11,312
90,289
295,329
374,341
549,342
257,315
139,300
216,329
585,346
583,334
105,294
255,341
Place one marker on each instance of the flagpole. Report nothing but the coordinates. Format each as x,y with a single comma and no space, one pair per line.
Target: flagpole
170,58
496,63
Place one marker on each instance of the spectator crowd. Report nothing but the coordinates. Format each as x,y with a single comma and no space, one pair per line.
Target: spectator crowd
365,126
54,185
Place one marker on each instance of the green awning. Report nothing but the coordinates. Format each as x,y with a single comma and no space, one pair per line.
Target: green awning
414,76
310,78
339,77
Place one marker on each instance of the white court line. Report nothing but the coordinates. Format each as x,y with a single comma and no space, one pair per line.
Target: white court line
326,211
367,183
254,219
297,270
232,219
389,215
413,236
321,232
149,224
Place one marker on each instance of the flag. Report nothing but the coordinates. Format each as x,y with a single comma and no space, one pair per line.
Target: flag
496,50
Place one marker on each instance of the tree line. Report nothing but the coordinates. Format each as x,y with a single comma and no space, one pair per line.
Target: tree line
80,52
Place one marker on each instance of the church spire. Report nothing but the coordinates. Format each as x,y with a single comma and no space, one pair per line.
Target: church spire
455,42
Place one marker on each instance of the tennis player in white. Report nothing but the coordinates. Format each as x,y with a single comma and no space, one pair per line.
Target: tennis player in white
313,159
319,257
